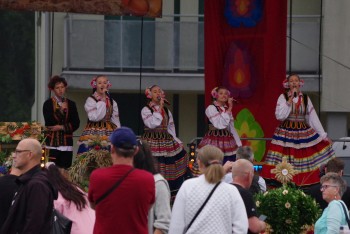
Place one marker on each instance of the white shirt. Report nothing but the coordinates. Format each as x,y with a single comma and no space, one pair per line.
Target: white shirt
222,120
154,120
283,110
96,111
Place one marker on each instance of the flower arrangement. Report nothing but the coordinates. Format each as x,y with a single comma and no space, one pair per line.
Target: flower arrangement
16,131
96,156
288,209
97,143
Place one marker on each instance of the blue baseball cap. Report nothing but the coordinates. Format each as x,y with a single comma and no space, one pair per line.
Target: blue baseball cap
123,138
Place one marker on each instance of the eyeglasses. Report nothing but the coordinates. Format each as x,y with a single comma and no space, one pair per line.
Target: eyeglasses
21,151
325,186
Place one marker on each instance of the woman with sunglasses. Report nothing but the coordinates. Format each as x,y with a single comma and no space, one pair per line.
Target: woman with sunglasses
336,213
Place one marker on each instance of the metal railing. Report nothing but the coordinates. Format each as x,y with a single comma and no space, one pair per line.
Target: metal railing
171,46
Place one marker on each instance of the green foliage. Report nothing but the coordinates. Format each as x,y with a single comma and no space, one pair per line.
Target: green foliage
3,157
287,209
5,138
17,67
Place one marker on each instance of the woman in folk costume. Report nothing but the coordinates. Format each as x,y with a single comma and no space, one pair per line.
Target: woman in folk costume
103,115
159,133
222,132
300,137
61,120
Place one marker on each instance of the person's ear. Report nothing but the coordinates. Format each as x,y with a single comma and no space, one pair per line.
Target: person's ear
112,149
136,150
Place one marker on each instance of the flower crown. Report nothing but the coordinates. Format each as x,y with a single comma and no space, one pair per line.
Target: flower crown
214,92
285,83
148,92
93,83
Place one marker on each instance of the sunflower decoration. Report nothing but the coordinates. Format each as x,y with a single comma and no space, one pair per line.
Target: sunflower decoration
284,171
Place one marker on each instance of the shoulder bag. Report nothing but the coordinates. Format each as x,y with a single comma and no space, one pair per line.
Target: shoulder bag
346,213
113,187
201,208
60,223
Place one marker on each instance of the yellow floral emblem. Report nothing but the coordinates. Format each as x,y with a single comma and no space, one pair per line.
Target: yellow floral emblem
284,171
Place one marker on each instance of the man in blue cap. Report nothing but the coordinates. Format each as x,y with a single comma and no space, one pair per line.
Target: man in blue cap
121,194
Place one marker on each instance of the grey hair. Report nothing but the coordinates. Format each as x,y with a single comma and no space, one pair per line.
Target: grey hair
335,179
245,152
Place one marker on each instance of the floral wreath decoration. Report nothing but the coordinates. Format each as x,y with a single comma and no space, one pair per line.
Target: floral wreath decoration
285,83
93,82
288,209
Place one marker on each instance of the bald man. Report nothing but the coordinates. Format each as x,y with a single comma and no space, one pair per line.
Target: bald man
32,205
242,176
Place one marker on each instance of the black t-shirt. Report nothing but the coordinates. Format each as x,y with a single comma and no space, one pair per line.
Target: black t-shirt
248,202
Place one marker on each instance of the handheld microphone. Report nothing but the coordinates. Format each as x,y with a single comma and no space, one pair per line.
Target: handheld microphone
165,101
295,94
107,93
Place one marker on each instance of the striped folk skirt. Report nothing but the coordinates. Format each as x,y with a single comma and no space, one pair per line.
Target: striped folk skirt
171,159
222,139
304,149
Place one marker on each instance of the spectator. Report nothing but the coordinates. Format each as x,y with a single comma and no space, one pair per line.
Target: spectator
335,215
160,213
335,165
223,211
8,187
32,205
258,184
125,208
71,202
242,175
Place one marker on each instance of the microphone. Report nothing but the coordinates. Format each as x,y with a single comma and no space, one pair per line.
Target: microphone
165,101
295,94
108,95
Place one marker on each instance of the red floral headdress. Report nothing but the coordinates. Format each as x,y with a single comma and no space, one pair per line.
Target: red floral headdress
93,83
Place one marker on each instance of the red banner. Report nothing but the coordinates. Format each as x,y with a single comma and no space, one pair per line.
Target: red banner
245,51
